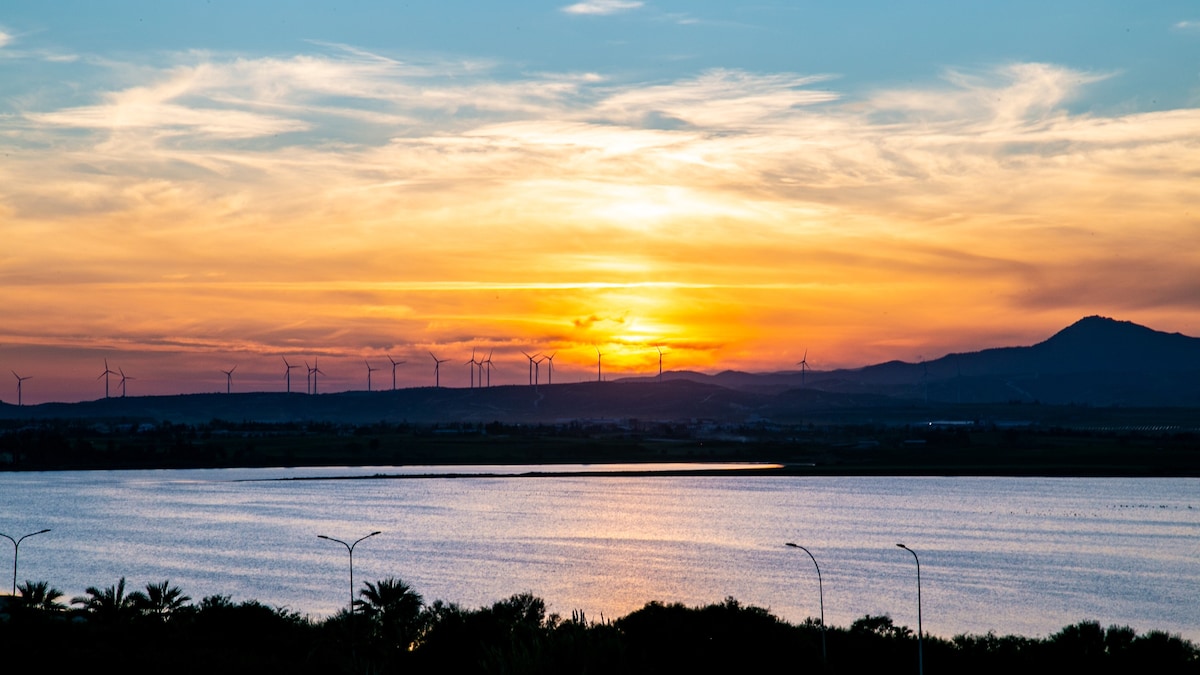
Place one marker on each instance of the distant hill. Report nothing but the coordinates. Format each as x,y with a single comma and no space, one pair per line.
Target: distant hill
1094,362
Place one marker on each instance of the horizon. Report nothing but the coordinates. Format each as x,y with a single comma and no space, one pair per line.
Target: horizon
262,377
190,189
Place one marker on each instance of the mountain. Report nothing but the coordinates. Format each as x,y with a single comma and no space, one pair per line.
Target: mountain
1094,362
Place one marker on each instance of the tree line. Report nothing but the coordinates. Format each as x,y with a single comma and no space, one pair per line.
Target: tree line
393,630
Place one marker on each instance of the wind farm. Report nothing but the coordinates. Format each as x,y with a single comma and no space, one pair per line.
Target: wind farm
1056,407
986,377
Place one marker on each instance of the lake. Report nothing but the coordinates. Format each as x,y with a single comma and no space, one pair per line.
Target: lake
1014,555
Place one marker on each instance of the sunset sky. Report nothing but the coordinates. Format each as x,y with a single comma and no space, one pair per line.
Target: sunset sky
189,186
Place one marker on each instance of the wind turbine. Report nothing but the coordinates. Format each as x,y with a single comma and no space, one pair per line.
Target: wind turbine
124,377
288,373
599,377
316,370
369,371
474,363
488,362
394,364
308,378
105,375
659,362
537,368
531,358
229,379
19,381
437,367
550,368
803,363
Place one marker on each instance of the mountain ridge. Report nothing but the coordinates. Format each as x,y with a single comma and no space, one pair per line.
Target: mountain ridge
1077,365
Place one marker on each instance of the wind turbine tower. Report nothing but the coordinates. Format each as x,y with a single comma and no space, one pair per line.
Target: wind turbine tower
531,358
437,368
473,363
105,375
659,362
803,363
229,379
537,369
488,363
394,364
550,368
19,381
124,377
316,370
369,371
287,374
599,375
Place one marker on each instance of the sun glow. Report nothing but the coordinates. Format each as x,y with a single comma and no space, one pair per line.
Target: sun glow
347,204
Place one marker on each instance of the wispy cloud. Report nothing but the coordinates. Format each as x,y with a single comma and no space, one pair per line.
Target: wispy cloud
602,7
1191,26
341,199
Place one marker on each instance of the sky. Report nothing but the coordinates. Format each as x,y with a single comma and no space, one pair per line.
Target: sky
194,186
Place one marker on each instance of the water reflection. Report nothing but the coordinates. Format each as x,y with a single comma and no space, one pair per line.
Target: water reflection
1023,555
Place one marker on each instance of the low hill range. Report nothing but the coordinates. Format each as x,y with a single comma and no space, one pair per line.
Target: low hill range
1096,363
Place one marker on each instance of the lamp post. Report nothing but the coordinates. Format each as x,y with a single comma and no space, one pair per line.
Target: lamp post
16,549
920,649
821,590
350,550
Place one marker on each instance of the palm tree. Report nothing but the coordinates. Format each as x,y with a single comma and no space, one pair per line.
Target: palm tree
159,600
394,609
108,604
40,595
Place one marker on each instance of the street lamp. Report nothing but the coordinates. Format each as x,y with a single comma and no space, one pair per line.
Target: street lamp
821,590
16,548
920,649
350,549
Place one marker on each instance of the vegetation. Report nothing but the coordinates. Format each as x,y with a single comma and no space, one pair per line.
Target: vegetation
1126,445
392,630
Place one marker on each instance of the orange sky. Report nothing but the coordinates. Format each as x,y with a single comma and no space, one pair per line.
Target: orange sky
222,210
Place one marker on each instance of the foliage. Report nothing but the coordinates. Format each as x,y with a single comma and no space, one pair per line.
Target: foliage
159,601
394,612
39,596
107,604
393,631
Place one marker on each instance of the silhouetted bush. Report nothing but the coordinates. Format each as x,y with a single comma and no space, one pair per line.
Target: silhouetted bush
393,632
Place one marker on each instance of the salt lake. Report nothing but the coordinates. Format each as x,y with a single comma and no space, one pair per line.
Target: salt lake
1014,555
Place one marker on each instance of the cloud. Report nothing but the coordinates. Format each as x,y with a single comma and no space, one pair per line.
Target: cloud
602,7
439,200
587,322
1191,26
5,38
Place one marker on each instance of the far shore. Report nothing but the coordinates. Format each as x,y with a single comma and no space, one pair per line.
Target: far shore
860,449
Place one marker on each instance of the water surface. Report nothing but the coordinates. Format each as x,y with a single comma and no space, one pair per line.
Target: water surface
1014,555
